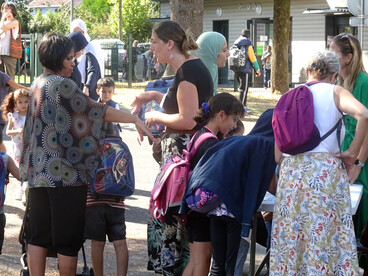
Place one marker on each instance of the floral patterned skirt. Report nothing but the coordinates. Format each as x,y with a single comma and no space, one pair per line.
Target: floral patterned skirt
167,241
313,232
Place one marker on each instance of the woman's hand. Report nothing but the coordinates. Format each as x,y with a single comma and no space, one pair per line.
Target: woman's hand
151,118
143,98
143,129
86,90
138,102
347,157
353,173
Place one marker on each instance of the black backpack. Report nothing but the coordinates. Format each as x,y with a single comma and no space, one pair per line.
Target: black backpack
238,58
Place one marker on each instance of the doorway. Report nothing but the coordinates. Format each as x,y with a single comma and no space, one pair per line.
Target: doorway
222,26
261,30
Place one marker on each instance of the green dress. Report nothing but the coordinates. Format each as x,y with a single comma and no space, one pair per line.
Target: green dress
360,92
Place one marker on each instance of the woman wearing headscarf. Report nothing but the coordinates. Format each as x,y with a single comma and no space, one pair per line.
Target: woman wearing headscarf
213,51
91,63
80,43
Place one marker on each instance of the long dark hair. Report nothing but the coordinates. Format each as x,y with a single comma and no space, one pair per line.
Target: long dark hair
222,101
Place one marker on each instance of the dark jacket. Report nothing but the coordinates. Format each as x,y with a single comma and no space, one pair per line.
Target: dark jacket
245,42
239,170
93,74
76,76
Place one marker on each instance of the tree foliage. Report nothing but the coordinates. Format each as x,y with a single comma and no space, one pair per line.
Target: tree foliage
135,18
100,9
102,18
51,22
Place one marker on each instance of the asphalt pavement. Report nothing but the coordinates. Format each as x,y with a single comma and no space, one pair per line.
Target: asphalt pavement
146,170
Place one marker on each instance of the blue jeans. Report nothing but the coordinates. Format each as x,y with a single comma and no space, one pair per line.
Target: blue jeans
242,256
266,77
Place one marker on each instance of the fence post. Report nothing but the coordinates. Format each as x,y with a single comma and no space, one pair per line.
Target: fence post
115,64
32,53
38,66
130,60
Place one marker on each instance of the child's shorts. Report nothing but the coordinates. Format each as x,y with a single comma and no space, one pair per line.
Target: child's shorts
102,220
56,218
198,227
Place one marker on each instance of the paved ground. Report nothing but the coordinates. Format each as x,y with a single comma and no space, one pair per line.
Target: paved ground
136,216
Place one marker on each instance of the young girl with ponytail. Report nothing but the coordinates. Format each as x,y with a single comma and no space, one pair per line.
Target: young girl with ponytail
219,116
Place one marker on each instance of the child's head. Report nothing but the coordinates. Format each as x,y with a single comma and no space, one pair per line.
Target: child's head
105,89
15,101
223,110
238,131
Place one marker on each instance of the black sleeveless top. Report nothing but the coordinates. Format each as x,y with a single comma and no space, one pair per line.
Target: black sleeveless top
195,72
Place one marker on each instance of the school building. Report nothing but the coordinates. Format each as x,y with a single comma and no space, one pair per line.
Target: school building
313,23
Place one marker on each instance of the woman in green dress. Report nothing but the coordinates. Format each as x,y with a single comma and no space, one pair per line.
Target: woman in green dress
354,78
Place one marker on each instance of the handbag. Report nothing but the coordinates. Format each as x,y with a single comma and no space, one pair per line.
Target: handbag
15,44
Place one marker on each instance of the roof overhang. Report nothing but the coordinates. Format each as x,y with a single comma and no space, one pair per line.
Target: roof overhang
335,11
159,19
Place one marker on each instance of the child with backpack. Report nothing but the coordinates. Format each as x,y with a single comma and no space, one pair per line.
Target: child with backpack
105,91
14,109
6,164
219,115
105,215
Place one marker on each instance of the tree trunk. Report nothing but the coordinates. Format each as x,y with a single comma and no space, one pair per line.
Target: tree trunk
281,28
189,14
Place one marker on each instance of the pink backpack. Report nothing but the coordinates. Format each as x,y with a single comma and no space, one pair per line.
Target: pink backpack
293,122
170,184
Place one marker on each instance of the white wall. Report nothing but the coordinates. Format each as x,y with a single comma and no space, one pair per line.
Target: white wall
307,33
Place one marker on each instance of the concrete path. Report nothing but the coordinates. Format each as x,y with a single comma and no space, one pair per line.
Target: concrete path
146,170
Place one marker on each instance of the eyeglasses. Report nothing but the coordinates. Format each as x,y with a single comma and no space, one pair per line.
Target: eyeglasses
70,58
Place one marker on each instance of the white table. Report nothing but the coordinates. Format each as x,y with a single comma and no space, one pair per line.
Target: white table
268,205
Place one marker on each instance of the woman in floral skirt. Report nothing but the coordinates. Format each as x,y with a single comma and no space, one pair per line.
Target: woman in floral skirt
313,232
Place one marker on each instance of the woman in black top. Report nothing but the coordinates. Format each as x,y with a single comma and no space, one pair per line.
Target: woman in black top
167,244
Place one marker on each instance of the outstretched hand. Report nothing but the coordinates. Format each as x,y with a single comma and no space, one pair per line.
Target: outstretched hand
143,129
137,103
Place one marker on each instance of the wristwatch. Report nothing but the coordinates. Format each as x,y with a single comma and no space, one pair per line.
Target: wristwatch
359,163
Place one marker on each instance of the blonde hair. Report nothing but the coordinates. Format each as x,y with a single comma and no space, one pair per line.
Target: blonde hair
349,44
8,105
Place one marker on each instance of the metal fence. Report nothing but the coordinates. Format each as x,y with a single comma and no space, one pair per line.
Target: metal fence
134,74
28,67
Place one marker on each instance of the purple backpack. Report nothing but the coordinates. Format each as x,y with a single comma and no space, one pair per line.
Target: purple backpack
293,122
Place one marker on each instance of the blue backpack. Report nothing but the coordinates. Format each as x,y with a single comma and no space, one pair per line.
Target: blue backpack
161,86
114,171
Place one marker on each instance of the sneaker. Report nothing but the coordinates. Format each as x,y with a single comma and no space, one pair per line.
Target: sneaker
247,110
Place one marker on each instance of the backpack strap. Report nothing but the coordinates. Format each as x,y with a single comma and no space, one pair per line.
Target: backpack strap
336,126
193,147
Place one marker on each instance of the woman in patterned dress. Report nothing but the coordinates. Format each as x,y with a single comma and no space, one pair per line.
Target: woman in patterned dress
167,244
313,232
60,144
